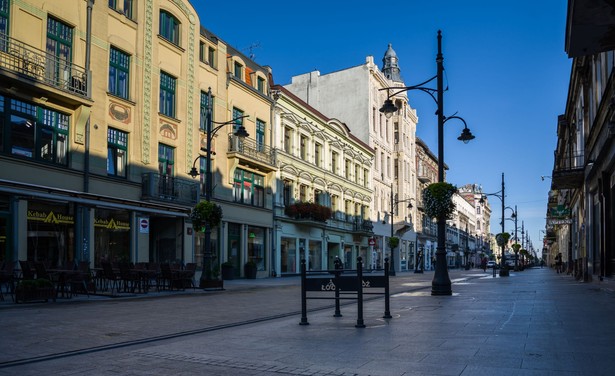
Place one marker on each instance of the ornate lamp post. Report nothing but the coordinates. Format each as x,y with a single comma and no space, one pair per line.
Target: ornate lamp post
501,195
394,202
441,284
210,132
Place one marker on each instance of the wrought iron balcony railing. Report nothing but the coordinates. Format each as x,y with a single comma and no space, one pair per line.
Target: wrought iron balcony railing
250,148
363,226
568,172
169,189
37,65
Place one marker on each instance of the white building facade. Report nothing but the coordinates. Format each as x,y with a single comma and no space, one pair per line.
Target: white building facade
355,95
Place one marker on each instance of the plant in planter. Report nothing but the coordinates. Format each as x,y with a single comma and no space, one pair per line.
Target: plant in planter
205,213
34,289
393,242
228,271
204,216
249,270
308,210
438,200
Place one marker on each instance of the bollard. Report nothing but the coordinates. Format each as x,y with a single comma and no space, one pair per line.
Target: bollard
338,266
360,323
304,320
387,308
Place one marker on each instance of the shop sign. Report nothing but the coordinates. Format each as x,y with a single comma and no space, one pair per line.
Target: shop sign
372,241
560,211
111,224
50,217
559,221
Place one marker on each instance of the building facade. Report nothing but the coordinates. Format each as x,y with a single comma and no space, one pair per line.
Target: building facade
323,194
355,95
102,118
580,215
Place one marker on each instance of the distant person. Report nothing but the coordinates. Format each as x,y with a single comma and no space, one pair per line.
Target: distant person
558,263
483,264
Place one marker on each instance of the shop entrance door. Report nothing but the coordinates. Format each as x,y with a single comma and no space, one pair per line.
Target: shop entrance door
234,247
4,238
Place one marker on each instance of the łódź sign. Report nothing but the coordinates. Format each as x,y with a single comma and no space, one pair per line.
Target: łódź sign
344,283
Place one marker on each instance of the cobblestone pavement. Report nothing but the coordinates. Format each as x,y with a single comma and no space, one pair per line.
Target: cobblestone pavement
535,322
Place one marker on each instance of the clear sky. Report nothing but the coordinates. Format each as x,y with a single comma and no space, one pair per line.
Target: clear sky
505,66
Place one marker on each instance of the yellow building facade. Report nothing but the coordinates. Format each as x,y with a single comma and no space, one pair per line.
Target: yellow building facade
103,108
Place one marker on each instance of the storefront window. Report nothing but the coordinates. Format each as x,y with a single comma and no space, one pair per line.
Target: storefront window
51,233
315,255
256,246
111,236
288,255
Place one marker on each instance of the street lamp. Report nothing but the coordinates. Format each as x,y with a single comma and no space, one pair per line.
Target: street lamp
501,196
441,284
394,202
241,133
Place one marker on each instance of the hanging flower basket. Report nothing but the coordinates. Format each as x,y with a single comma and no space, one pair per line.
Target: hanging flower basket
502,238
438,200
206,213
393,242
308,210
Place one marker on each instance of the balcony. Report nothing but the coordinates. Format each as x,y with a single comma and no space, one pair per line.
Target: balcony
568,172
251,153
363,227
29,63
169,189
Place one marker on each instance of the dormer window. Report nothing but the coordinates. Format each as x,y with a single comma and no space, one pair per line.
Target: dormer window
237,70
260,85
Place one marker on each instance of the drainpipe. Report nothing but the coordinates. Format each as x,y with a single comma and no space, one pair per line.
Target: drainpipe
88,52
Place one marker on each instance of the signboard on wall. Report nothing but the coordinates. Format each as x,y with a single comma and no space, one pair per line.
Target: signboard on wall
144,225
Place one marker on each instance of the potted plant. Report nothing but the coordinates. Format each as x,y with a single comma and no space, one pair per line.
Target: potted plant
35,289
207,214
211,275
438,200
249,270
228,271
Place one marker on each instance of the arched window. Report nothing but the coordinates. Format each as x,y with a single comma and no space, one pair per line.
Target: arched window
169,27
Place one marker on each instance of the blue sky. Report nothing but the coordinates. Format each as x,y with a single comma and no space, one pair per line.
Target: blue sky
505,66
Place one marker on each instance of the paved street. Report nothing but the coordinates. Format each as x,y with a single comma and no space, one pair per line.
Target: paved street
535,322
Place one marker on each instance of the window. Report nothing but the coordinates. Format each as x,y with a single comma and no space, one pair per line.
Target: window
287,138
60,46
287,192
117,151
334,162
211,56
260,85
357,173
166,160
237,70
119,73
237,114
317,153
260,135
4,22
347,169
126,9
348,210
33,132
334,205
169,27
167,95
202,50
248,188
318,197
303,148
204,106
